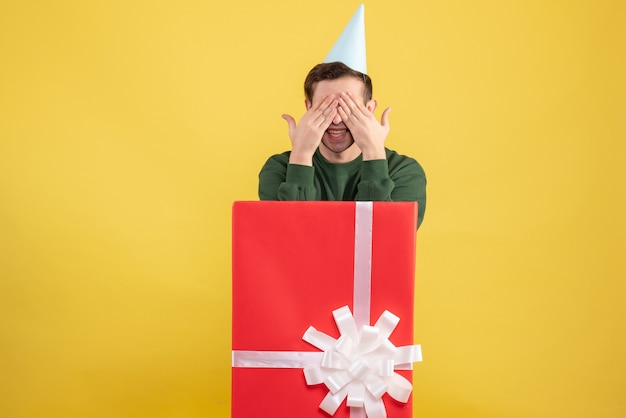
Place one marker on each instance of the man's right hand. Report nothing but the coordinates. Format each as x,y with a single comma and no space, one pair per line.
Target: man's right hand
307,135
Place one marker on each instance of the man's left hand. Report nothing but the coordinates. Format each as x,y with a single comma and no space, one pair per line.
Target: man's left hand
368,133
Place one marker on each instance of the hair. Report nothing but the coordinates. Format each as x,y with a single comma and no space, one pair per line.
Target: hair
332,71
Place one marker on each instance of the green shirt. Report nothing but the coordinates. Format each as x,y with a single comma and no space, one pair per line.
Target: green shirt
398,178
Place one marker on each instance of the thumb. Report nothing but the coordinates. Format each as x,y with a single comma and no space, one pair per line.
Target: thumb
384,119
291,123
290,120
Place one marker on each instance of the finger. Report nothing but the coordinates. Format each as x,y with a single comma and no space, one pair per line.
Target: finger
384,119
328,119
358,103
351,108
328,113
345,117
326,102
332,106
350,116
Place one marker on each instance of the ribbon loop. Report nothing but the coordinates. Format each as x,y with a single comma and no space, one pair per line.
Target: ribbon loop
359,370
337,381
356,396
375,385
375,408
368,339
314,375
345,322
318,339
386,323
386,368
400,388
408,354
331,402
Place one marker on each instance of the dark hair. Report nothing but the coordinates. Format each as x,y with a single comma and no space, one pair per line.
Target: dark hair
332,71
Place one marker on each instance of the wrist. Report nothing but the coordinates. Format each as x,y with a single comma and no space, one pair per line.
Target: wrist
374,154
301,157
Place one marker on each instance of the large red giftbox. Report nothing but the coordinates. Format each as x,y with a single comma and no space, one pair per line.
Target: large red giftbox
293,265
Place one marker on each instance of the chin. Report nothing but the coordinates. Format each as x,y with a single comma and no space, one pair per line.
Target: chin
337,148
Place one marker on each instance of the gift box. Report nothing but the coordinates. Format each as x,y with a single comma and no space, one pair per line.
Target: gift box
323,309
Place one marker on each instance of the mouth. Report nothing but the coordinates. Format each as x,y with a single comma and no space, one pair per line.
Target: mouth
336,134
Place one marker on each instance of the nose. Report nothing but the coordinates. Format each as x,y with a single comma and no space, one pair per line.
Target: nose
337,119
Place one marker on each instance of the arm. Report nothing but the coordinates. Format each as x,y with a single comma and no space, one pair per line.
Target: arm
385,175
289,176
280,180
395,179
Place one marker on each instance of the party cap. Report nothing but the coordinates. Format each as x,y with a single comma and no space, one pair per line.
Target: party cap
350,47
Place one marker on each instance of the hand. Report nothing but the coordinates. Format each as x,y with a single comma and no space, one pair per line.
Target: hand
368,134
307,135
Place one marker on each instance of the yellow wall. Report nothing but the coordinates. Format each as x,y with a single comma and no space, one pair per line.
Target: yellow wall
128,128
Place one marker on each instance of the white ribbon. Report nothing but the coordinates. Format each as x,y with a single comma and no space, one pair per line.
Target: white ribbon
360,364
363,221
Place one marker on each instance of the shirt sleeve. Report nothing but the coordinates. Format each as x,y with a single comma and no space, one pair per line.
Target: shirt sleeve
375,184
279,180
405,181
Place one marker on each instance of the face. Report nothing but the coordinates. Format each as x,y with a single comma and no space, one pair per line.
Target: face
337,141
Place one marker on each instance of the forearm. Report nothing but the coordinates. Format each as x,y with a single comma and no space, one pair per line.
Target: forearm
403,183
375,184
279,180
298,184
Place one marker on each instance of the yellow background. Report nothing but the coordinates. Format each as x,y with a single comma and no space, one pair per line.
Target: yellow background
127,129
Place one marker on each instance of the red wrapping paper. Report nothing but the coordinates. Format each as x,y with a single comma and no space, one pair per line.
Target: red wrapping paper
293,264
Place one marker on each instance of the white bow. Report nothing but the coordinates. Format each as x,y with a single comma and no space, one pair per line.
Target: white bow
360,364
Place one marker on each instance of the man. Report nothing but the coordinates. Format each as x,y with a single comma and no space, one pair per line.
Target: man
338,150
338,147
